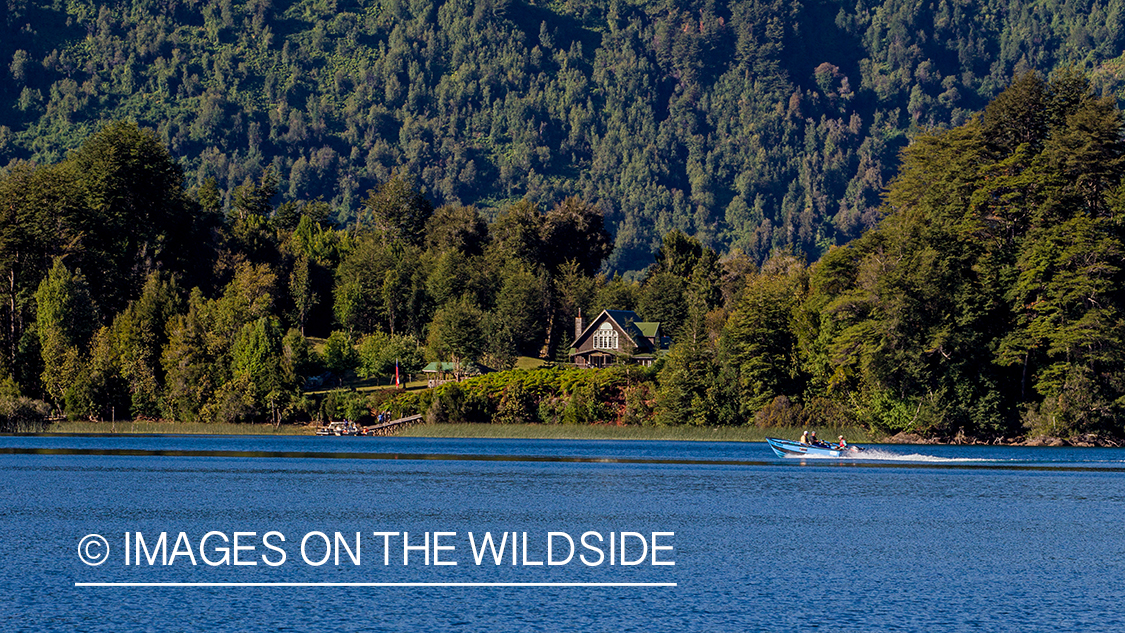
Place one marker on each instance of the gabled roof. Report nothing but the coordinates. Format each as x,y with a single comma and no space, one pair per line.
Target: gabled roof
627,321
648,328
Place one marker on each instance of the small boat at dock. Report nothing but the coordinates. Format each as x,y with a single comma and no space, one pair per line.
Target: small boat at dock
349,428
344,428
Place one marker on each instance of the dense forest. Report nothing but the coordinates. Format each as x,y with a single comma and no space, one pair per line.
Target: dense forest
988,302
754,126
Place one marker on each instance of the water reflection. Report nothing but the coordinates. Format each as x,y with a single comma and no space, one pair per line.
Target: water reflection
1001,458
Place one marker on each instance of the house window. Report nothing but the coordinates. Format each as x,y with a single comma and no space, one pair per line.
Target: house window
605,337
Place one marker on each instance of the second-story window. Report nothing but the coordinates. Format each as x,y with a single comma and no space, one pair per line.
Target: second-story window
605,337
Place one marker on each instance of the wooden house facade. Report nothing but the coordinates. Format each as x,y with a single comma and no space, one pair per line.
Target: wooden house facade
616,337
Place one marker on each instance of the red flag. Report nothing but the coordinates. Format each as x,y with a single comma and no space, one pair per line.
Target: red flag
396,374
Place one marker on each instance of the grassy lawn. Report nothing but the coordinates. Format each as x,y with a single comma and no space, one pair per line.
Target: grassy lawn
370,384
527,362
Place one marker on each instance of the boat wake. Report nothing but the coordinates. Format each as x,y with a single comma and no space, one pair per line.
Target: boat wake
881,455
891,456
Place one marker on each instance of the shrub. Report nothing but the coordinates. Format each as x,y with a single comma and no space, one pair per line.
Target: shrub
640,404
551,410
550,395
517,405
23,415
780,412
233,402
448,404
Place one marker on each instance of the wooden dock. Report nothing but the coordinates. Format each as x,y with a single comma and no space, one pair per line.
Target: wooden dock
389,428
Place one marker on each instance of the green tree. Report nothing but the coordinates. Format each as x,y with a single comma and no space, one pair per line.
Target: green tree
301,289
136,215
517,232
521,308
457,228
380,353
298,359
663,299
399,210
616,294
455,332
140,334
1068,336
760,339
191,360
65,321
575,231
1018,115
257,360
687,391
678,255
339,353
254,199
376,288
37,202
247,298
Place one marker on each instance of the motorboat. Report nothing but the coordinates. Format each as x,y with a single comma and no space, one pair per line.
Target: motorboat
789,448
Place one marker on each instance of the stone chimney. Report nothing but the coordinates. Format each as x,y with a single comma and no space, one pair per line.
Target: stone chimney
579,325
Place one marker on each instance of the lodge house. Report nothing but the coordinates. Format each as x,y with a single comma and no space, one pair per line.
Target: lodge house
615,337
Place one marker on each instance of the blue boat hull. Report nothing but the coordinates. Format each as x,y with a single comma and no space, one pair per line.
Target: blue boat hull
788,448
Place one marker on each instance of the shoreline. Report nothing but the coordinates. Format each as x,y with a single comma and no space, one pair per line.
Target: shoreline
1085,441
460,430
559,432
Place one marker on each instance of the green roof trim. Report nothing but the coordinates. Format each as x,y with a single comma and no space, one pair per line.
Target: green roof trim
648,329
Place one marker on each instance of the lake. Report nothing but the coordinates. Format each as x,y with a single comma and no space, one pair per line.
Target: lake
904,538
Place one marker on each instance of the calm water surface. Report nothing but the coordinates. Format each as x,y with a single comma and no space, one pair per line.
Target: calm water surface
905,539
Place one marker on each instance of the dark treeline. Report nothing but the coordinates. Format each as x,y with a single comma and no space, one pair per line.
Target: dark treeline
754,125
988,302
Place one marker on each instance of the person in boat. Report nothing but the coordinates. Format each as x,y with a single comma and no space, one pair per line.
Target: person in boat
841,443
815,442
805,438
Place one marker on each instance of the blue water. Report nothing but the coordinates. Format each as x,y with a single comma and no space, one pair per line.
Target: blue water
906,538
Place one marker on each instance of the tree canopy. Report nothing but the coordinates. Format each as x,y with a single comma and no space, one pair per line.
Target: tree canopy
754,125
987,301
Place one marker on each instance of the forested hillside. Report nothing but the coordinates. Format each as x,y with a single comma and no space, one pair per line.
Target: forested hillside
988,302
750,124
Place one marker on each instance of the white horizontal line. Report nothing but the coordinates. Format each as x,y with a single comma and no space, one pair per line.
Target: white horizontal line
375,584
